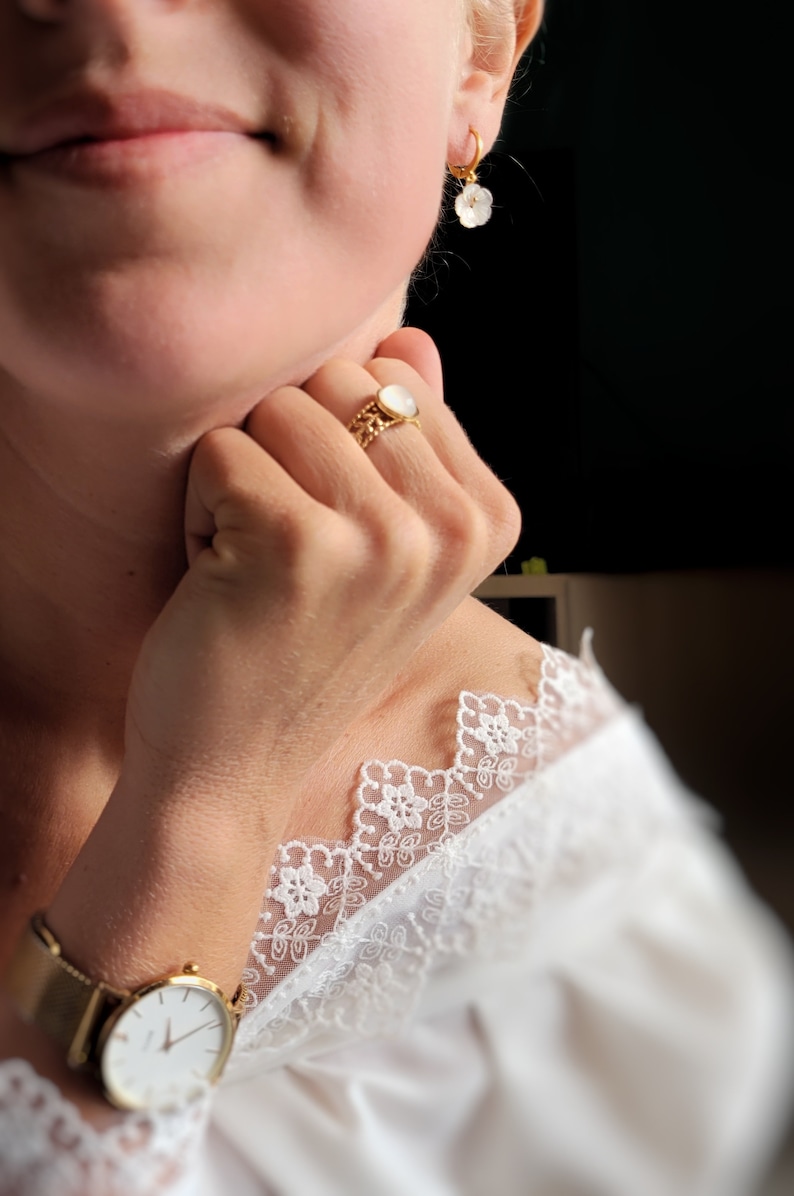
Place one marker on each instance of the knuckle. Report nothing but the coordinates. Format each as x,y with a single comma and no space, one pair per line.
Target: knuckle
505,521
461,524
403,547
500,513
415,547
324,545
476,529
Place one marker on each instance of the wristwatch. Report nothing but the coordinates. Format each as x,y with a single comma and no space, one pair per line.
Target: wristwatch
156,1047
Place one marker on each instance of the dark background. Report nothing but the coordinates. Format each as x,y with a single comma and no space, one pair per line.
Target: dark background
617,342
630,296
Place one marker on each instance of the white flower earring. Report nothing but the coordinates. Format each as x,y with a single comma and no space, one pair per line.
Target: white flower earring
473,203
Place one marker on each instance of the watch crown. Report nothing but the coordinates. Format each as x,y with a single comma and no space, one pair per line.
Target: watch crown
190,969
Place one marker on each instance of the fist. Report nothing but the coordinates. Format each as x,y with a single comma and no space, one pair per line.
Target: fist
316,570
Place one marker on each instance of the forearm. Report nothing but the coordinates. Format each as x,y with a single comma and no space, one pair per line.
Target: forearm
145,896
151,891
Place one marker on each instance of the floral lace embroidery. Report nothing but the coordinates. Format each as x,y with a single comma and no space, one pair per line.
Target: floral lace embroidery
442,917
406,813
48,1148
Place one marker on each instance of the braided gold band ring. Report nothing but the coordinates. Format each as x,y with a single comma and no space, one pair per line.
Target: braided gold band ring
392,405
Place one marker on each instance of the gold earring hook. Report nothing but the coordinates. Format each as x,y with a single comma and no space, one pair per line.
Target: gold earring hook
469,173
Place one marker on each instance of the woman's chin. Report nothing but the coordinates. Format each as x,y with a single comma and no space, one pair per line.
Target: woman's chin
158,346
158,386
177,368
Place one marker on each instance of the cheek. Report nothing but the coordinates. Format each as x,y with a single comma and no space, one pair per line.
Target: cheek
374,175
213,296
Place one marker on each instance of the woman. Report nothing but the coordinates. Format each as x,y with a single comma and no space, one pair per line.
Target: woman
217,603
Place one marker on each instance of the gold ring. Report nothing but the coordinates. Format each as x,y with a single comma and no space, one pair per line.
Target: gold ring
392,405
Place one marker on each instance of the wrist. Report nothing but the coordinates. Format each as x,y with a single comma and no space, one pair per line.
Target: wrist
148,893
150,1048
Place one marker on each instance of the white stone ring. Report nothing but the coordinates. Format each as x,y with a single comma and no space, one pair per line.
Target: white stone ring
392,405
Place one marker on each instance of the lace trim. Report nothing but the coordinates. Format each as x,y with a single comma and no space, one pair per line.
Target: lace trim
526,880
406,846
48,1148
406,813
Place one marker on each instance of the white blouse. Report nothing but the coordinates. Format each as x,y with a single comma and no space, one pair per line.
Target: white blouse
534,972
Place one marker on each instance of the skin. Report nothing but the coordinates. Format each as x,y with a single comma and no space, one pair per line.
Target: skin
200,564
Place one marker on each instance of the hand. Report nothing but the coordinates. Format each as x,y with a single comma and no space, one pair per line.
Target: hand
316,570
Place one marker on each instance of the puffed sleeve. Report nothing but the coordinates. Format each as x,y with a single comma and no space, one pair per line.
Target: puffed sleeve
592,1003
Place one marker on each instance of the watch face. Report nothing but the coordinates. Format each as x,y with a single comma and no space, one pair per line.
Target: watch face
167,1045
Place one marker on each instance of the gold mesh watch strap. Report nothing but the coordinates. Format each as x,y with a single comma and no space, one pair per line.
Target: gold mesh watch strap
53,994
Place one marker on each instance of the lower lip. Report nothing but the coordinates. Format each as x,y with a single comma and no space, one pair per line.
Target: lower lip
131,160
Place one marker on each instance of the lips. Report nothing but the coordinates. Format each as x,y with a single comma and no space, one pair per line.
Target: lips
125,140
91,116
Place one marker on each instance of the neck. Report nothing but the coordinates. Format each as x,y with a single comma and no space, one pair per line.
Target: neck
92,546
92,543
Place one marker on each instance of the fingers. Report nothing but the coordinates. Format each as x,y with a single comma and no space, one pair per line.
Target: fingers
401,455
408,357
418,351
435,470
314,447
397,478
237,492
342,388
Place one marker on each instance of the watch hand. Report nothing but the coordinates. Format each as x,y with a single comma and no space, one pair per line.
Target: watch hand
167,1043
182,1037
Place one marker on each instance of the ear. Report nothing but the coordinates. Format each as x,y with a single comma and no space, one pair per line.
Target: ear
491,47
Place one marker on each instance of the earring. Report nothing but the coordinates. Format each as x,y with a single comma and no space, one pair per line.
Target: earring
473,203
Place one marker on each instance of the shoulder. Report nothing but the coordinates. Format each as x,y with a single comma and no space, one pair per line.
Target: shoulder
480,653
477,650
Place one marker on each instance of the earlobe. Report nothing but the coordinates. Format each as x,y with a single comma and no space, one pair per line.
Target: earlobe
476,107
